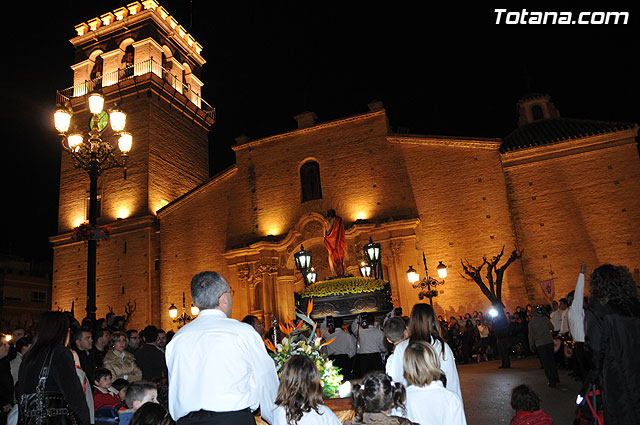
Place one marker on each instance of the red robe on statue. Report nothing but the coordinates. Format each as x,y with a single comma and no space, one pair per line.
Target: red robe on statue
336,243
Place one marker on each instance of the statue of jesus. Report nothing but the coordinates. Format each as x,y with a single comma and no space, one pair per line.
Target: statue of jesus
335,242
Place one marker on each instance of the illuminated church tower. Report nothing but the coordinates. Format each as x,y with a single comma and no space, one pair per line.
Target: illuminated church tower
141,58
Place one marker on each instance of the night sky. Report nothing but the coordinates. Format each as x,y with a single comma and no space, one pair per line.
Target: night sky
438,69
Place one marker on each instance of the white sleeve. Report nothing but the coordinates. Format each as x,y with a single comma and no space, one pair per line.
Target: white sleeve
448,366
456,414
394,366
265,379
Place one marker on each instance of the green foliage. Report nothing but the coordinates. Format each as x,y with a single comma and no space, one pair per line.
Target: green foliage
343,286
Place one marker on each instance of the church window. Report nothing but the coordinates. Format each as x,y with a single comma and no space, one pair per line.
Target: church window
536,112
310,181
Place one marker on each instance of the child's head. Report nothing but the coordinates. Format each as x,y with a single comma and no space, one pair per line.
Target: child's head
151,414
377,393
421,364
524,398
121,385
395,330
300,387
139,393
102,378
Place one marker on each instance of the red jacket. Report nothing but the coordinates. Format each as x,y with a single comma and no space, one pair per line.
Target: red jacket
538,417
101,399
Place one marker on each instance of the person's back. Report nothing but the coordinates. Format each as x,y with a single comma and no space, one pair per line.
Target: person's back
428,401
219,342
149,358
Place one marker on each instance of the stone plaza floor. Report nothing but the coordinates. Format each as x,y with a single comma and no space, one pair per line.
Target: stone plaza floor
486,391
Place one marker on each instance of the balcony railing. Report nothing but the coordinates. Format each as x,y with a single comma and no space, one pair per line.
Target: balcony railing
129,72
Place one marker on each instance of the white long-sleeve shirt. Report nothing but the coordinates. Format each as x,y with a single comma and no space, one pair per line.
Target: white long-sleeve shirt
395,369
556,319
575,314
219,364
434,404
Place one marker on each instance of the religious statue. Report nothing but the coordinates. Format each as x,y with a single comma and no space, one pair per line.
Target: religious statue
336,243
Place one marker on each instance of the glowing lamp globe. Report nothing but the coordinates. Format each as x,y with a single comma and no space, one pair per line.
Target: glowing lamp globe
194,310
442,270
124,142
96,103
173,311
118,120
412,275
74,140
62,120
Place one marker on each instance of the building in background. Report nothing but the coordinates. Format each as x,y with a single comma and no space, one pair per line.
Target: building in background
25,292
562,190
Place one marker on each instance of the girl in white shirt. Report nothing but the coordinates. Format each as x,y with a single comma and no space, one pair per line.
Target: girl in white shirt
428,401
299,398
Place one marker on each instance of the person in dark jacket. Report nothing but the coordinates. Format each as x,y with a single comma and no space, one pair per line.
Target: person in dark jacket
149,357
6,382
612,334
540,339
52,335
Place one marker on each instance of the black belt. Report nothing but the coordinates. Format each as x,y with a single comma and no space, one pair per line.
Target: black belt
211,414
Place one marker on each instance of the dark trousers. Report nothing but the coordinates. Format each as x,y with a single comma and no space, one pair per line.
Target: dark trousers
205,417
582,360
548,363
366,363
344,363
504,348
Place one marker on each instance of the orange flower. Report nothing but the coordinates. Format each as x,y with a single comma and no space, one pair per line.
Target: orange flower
286,328
270,345
309,307
328,342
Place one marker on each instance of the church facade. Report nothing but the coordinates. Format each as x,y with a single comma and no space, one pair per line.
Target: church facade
560,190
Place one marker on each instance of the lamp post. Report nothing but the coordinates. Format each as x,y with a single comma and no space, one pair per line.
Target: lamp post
428,284
184,318
372,252
94,155
304,260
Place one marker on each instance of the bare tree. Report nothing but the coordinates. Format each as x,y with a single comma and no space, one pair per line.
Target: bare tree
494,275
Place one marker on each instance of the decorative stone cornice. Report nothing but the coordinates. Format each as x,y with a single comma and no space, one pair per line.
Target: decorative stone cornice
440,141
136,12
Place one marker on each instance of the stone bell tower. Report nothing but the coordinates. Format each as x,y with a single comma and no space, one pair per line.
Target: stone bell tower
143,60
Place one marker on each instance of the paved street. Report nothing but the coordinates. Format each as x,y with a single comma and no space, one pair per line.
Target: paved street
486,391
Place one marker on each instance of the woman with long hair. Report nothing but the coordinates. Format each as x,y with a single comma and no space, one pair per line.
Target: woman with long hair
375,398
424,326
49,344
612,332
428,401
120,362
299,398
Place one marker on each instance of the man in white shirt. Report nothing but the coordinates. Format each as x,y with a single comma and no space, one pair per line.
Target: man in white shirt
575,319
343,348
218,368
555,316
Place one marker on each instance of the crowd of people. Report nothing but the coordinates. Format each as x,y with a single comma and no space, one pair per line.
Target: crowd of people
216,370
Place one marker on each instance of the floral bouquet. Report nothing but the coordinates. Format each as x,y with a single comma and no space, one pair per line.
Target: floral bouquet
295,342
428,293
343,286
87,232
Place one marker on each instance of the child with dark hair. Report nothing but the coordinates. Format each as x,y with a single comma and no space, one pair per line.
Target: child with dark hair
526,403
103,393
121,386
299,398
151,414
373,399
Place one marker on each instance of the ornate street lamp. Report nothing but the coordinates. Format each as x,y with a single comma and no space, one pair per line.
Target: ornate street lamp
184,318
428,284
304,260
94,155
372,253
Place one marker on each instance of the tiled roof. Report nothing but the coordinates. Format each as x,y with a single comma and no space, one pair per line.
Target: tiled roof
554,130
531,96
